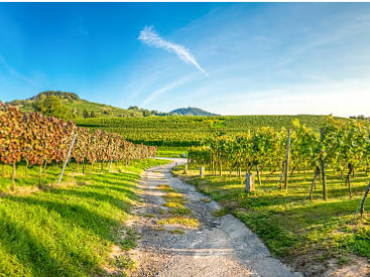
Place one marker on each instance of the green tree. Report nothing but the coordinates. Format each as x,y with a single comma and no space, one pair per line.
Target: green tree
53,106
146,113
85,114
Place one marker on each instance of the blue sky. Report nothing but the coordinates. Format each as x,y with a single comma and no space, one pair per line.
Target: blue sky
244,58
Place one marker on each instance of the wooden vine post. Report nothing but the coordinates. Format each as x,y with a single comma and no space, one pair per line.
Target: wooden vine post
287,161
201,172
13,176
325,194
282,173
186,169
317,173
66,161
83,165
249,182
363,200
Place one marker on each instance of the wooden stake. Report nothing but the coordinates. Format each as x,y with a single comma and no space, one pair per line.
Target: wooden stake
325,195
363,200
201,172
83,165
287,161
249,182
282,173
258,175
40,173
110,166
66,161
317,173
13,176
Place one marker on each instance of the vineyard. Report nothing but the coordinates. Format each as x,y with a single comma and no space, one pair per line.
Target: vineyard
67,228
311,178
185,131
40,141
342,146
309,200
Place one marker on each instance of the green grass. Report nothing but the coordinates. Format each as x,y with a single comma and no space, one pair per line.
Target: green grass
179,220
177,231
179,211
70,230
172,152
221,212
288,222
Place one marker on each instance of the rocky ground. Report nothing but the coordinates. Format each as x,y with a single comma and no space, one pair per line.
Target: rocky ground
188,240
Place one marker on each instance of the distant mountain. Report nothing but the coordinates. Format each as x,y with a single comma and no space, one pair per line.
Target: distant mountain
191,111
71,106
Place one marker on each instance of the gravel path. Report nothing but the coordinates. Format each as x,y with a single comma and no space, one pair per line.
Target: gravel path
217,247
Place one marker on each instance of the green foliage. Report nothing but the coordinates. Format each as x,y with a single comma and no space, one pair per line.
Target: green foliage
172,152
221,212
58,94
85,114
342,143
186,131
76,105
52,106
200,155
146,113
41,140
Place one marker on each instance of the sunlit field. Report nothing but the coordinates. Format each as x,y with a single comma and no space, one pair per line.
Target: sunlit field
70,230
288,222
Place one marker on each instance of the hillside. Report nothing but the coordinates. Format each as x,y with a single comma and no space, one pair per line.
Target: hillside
76,105
192,111
81,108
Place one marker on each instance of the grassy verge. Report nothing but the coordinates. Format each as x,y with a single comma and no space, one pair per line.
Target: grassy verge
288,222
171,152
77,229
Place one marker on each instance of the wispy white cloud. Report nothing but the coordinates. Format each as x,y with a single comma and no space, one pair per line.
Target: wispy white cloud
15,73
150,37
166,88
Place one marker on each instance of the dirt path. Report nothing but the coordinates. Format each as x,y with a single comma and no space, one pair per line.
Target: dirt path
172,246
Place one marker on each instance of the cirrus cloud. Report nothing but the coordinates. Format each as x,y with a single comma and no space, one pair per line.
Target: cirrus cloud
150,37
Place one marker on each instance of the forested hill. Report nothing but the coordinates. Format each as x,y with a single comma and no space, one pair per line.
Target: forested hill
191,111
68,105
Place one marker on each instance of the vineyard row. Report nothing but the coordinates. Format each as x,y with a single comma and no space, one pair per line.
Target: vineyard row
342,145
39,140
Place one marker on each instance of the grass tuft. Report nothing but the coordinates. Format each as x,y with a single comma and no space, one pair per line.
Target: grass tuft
221,212
177,231
179,220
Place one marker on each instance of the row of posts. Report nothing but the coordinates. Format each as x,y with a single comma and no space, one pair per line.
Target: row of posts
249,177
